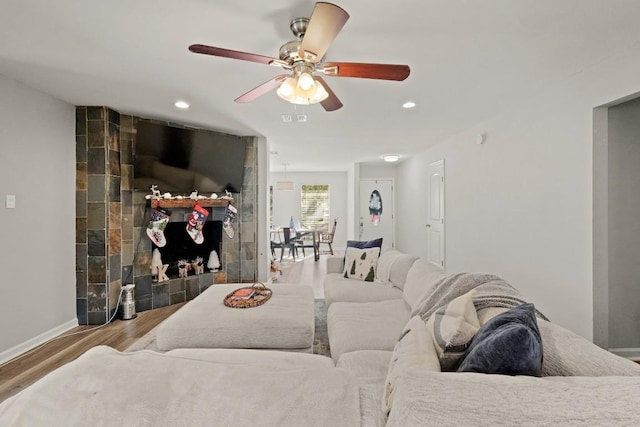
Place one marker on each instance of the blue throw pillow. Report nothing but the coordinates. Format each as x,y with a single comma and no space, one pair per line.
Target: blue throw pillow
377,243
508,344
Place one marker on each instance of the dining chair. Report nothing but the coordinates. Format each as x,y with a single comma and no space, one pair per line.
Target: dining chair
287,243
276,240
326,237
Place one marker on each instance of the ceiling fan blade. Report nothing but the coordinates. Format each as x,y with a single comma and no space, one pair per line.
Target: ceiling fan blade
262,89
233,54
332,102
366,71
324,25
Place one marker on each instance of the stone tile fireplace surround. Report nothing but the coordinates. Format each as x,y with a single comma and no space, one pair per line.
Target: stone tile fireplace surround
112,247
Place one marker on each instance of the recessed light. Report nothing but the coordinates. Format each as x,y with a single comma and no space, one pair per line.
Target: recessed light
183,105
391,158
409,104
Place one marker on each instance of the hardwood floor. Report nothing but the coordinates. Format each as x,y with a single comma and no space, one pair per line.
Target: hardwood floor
306,271
120,334
23,371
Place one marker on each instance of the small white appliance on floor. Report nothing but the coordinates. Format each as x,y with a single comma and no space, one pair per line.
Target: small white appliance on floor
128,303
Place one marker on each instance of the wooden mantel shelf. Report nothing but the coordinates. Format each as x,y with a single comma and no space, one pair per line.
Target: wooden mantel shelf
189,203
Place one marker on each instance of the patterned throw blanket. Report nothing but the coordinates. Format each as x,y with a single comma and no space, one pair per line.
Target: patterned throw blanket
491,291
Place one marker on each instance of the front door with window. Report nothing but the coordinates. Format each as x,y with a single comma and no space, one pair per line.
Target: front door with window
376,211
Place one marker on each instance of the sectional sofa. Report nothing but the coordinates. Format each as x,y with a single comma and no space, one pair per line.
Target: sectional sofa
579,383
386,368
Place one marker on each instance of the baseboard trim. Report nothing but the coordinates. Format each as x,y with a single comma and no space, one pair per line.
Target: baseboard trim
628,353
19,349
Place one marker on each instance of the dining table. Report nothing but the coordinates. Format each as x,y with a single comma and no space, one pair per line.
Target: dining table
314,233
276,236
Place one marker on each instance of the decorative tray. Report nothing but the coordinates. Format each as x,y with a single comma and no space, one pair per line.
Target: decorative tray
247,297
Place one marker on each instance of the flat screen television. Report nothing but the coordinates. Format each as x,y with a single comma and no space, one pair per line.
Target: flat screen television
180,160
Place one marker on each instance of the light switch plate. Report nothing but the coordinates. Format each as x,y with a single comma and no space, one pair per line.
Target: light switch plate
11,201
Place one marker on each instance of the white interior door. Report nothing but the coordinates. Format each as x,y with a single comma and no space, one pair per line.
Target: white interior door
376,211
435,220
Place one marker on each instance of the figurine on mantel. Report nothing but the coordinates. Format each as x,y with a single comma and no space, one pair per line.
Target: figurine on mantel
158,269
196,265
214,262
183,268
157,195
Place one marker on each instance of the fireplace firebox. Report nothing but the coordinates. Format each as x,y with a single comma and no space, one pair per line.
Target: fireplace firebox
181,247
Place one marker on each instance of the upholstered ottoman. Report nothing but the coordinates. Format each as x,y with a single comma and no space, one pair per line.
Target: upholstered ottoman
285,322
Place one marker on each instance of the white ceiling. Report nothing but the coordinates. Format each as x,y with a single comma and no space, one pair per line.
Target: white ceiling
469,60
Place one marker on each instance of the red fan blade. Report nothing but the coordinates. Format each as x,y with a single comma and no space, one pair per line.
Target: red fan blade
332,103
262,89
233,54
366,71
324,25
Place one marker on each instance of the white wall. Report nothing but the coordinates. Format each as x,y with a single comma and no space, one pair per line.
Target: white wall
37,245
287,203
372,171
520,205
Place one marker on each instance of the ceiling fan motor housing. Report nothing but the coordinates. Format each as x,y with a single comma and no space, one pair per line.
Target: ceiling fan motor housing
289,51
299,27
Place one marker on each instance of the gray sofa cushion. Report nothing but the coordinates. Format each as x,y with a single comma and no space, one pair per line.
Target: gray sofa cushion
471,399
365,325
567,353
421,277
400,269
272,360
385,261
369,367
339,289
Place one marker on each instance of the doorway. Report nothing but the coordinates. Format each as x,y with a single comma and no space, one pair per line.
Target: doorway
435,216
376,211
616,230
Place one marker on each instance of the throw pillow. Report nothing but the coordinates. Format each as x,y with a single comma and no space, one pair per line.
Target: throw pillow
361,264
377,243
413,352
452,328
385,261
508,344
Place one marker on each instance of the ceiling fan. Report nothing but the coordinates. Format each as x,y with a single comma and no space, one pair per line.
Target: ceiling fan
304,57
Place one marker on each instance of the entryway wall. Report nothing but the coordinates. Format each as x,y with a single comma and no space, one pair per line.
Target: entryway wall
617,228
286,203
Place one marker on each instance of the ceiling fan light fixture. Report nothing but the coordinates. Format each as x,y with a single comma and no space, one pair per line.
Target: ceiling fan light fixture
305,81
320,94
287,88
293,90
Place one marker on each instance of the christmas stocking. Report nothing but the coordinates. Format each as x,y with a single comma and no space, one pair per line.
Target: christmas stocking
156,226
229,216
196,222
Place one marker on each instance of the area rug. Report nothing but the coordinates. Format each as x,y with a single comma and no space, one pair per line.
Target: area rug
320,342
